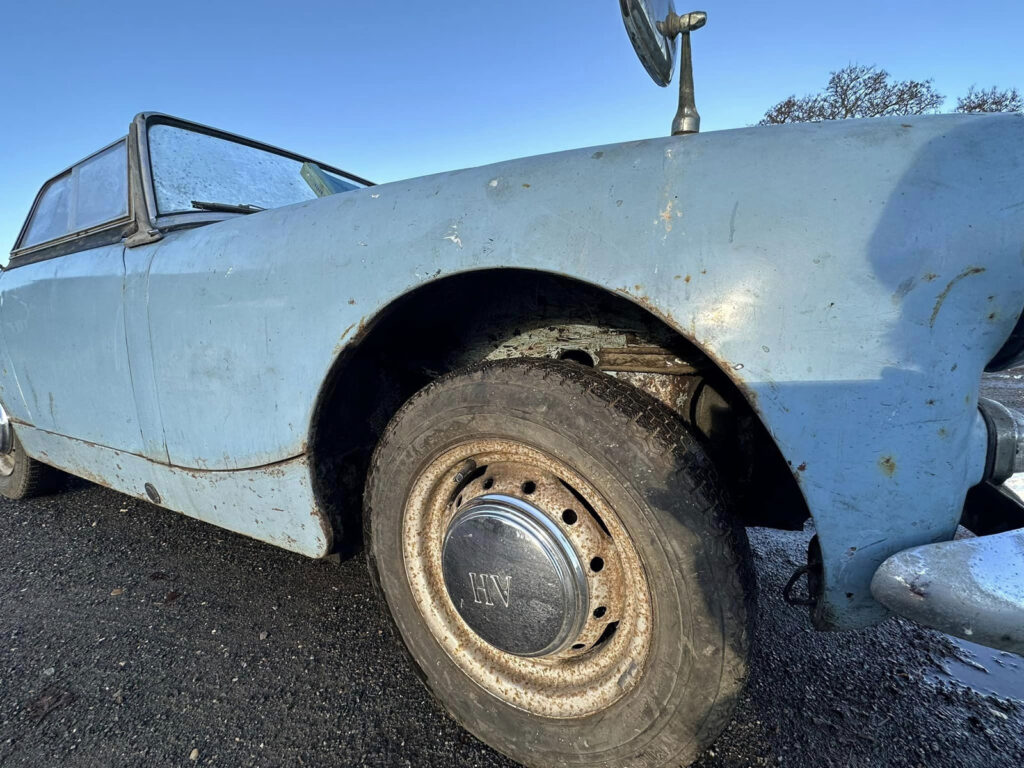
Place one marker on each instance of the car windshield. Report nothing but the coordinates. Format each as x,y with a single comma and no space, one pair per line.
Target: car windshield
190,167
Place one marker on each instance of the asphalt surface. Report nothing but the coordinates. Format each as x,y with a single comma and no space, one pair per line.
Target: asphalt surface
130,635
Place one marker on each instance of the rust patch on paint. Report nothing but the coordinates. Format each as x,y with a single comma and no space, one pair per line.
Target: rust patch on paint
802,467
888,466
666,215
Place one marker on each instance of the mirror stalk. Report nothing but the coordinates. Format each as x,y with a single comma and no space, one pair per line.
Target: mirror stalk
687,119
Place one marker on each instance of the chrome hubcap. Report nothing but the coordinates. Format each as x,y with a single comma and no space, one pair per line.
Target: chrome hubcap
514,577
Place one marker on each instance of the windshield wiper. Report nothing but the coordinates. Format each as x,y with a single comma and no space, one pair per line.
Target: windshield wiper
226,207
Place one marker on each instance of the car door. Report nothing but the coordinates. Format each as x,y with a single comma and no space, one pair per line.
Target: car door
62,310
219,312
223,352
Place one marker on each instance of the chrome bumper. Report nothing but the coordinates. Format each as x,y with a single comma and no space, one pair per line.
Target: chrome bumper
972,588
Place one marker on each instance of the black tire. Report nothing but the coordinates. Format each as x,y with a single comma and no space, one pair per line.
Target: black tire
670,501
28,477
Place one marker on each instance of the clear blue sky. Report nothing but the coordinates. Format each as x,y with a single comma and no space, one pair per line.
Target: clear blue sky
391,90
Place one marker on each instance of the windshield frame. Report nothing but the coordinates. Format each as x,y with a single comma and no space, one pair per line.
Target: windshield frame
179,219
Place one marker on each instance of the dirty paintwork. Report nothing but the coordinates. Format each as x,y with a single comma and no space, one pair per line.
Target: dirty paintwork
274,504
62,321
851,278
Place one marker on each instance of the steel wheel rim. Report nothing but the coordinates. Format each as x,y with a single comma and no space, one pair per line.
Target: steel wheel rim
607,656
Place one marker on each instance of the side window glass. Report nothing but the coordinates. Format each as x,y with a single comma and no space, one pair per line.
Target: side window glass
51,216
94,192
102,188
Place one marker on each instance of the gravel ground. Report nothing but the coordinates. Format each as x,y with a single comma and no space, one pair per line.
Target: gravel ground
130,635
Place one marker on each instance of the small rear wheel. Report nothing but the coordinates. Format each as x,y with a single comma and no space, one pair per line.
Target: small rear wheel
555,551
21,476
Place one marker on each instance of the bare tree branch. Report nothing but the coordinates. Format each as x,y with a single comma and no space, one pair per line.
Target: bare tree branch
992,100
858,91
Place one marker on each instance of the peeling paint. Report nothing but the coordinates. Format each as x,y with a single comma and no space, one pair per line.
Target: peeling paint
453,235
346,331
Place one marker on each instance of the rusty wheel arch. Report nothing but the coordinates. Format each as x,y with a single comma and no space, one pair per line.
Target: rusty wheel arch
461,319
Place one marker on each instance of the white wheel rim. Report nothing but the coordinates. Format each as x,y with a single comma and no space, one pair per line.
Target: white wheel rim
581,680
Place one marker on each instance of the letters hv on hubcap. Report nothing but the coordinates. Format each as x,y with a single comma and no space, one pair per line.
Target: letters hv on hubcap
513,577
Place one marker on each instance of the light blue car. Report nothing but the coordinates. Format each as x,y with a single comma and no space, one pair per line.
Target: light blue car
548,395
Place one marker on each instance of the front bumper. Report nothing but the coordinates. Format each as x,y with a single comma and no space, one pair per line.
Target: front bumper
972,588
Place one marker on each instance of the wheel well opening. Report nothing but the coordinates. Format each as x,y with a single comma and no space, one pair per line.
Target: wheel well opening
471,317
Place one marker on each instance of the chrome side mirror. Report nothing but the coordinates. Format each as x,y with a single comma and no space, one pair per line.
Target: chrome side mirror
652,26
655,50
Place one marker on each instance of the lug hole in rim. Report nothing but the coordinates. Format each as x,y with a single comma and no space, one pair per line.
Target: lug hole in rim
600,611
569,517
579,647
488,483
458,501
596,564
607,634
529,487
